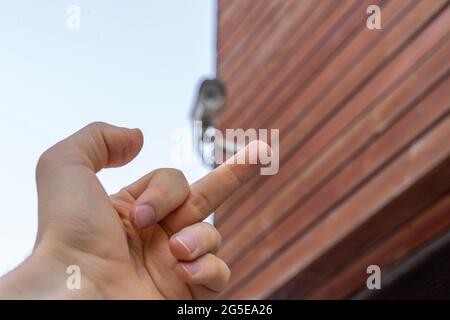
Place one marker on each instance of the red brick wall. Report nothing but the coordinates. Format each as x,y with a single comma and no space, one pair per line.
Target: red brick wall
364,140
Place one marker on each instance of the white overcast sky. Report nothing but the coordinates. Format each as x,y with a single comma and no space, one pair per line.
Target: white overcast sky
133,63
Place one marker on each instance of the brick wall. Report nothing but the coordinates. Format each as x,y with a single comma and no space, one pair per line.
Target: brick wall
364,140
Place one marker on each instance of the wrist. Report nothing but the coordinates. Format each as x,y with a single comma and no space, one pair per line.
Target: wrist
42,276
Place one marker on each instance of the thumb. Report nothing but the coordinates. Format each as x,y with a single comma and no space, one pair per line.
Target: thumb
96,146
68,189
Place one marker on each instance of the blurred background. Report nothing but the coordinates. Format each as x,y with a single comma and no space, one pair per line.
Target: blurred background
360,93
133,65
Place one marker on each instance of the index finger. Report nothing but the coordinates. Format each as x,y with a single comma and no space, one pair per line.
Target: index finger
212,190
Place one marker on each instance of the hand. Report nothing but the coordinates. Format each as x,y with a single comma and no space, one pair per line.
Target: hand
145,242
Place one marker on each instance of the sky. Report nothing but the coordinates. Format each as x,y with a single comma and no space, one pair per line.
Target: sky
131,63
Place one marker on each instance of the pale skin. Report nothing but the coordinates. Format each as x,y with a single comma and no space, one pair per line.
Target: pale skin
147,241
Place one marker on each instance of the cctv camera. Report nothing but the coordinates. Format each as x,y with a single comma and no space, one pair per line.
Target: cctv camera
210,101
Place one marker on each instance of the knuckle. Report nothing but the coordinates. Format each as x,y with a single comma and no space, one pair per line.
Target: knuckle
161,194
45,160
173,181
122,191
97,125
213,234
176,174
227,274
179,176
214,263
123,194
221,269
219,239
95,129
201,202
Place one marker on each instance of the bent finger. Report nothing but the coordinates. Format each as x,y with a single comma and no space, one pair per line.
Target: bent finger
157,194
195,241
209,271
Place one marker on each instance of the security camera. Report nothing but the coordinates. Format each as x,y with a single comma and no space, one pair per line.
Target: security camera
210,102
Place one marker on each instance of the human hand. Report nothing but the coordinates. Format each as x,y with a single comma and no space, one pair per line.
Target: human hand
145,242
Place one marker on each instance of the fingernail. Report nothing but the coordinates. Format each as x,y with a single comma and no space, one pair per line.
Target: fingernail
188,240
144,216
191,267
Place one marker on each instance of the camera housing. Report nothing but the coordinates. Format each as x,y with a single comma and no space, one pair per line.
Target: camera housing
210,102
